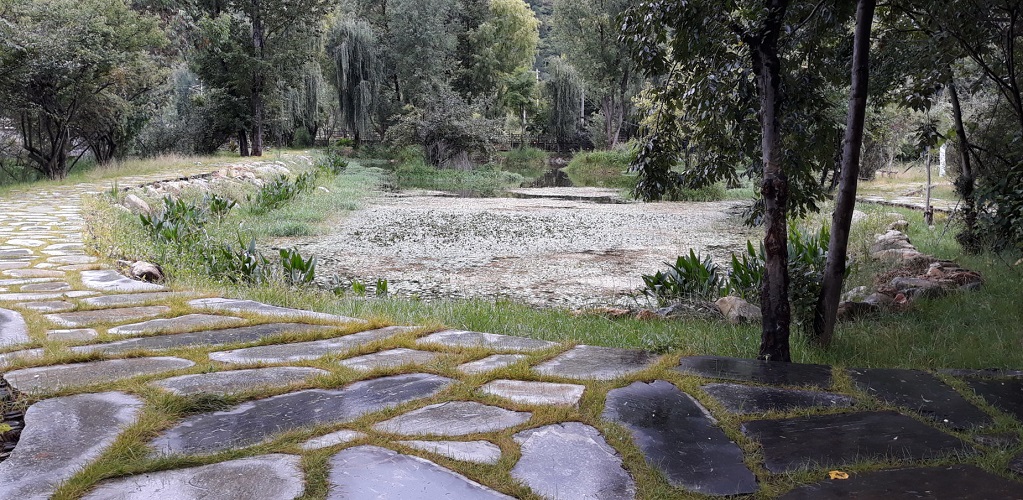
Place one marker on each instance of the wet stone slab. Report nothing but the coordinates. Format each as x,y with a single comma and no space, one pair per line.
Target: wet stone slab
13,330
208,337
111,281
957,482
177,324
264,477
745,399
300,351
490,363
131,299
754,370
571,460
453,418
255,421
481,452
390,359
235,381
85,318
834,440
334,438
371,473
61,436
535,393
462,338
1004,394
253,307
51,378
598,363
72,335
921,392
48,307
678,437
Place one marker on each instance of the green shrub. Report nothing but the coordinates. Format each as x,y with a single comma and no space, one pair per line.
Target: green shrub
302,138
530,163
714,192
601,169
691,277
487,180
275,193
297,270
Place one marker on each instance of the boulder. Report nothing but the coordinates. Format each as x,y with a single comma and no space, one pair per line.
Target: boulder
900,225
136,204
881,300
856,294
848,310
737,311
146,271
858,216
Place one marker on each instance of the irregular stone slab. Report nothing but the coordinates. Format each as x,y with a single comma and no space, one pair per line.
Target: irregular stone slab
957,482
755,370
920,392
132,299
97,316
61,436
453,418
47,307
9,357
80,267
390,358
235,381
17,297
300,351
255,421
571,460
72,259
334,438
744,399
264,477
983,372
15,265
208,337
490,363
371,473
678,437
481,452
15,253
24,242
26,281
73,335
598,363
251,306
51,378
176,324
462,338
33,273
108,280
1004,394
535,393
13,330
54,286
833,440
64,246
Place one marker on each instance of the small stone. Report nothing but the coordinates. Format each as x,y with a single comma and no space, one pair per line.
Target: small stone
74,335
251,306
146,271
263,477
56,377
13,330
453,418
334,438
236,381
48,306
571,460
391,358
86,318
535,393
490,363
176,325
461,338
598,363
481,452
899,225
737,311
301,351
136,204
110,281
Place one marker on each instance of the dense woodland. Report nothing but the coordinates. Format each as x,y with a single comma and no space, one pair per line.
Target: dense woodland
801,98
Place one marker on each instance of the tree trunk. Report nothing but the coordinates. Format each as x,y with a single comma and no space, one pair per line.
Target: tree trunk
965,183
777,315
257,80
243,143
826,312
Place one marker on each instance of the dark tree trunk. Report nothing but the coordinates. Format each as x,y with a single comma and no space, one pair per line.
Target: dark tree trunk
965,183
777,316
257,80
243,143
826,311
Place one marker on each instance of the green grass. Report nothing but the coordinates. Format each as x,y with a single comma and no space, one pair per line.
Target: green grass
487,180
530,163
601,169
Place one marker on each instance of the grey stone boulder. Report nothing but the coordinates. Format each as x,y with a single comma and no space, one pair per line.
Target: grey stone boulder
900,225
737,311
13,330
146,271
136,204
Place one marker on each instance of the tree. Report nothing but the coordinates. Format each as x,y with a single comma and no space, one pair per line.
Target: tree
357,74
62,58
503,44
565,92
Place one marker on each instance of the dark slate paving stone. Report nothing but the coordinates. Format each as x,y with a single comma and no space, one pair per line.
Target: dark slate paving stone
255,421
832,440
1016,464
374,473
209,337
462,338
1004,394
920,392
983,372
745,399
958,482
755,370
598,363
679,438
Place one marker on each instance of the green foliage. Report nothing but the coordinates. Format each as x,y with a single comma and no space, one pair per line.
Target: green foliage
332,162
746,276
218,206
483,181
179,222
381,287
690,277
808,254
297,270
601,169
528,162
451,131
357,74
278,191
564,88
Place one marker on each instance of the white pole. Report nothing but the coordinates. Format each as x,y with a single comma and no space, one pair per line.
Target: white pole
941,164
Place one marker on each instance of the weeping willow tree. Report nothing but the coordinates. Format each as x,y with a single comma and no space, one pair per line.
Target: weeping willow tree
357,76
565,91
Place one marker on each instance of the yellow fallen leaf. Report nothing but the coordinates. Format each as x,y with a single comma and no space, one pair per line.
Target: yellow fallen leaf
837,474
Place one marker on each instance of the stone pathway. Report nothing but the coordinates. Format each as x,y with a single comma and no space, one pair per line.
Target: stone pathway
263,402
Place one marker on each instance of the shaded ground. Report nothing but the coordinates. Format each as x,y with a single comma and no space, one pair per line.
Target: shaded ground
545,251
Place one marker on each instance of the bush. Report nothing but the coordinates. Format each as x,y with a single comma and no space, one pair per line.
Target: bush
691,277
602,169
530,163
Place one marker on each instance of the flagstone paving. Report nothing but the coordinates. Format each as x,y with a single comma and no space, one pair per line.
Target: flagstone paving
561,421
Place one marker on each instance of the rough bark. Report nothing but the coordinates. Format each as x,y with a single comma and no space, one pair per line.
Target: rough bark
257,80
826,311
965,183
777,315
243,143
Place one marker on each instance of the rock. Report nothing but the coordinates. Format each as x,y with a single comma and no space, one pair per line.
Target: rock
48,306
33,273
333,439
882,300
9,357
74,335
481,452
390,358
176,324
263,477
145,271
849,311
61,436
13,329
371,472
55,377
535,393
461,338
236,381
56,286
745,399
453,418
690,309
1004,394
98,316
597,363
737,311
900,225
206,338
895,245
858,215
110,281
1004,440
571,460
131,299
253,307
490,363
917,288
301,351
136,204
856,294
